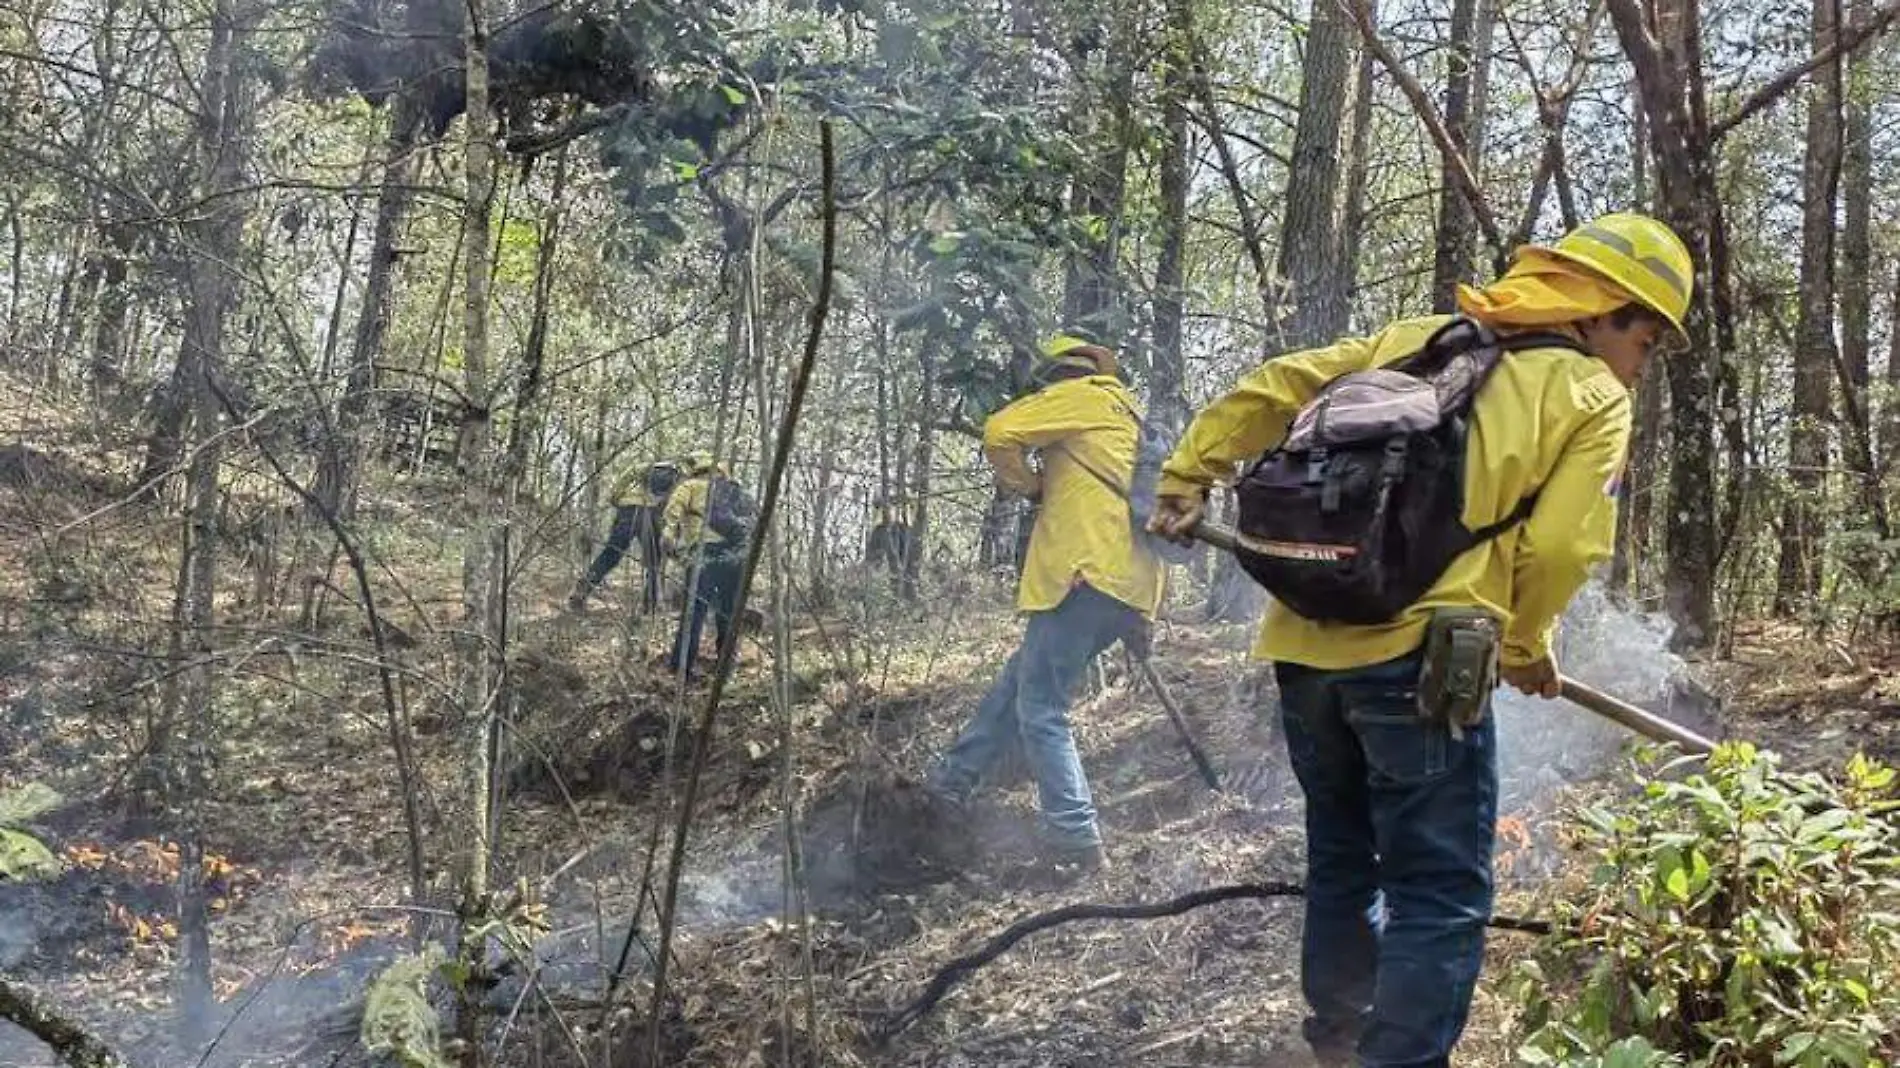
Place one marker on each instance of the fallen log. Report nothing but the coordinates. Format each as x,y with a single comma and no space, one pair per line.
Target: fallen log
65,1037
957,970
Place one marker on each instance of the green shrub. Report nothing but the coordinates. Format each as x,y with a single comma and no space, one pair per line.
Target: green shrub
1736,917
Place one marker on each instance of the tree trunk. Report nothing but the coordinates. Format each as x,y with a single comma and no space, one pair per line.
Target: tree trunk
920,482
1092,293
16,274
1890,417
1803,530
1636,491
213,242
1333,318
477,638
1469,64
338,464
115,302
1856,266
1167,395
1309,233
818,567
1687,201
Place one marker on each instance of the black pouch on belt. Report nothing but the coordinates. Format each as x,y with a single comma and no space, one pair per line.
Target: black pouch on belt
1460,668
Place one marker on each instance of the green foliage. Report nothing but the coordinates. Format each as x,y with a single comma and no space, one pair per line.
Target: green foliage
398,1018
23,856
21,806
1738,916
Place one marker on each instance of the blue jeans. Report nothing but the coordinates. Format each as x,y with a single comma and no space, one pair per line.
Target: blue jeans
631,523
717,592
1400,818
1028,706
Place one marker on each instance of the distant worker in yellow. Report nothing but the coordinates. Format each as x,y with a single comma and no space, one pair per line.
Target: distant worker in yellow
1088,581
709,520
1434,497
639,500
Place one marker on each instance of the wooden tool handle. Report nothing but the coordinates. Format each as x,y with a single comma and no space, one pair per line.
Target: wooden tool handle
1642,722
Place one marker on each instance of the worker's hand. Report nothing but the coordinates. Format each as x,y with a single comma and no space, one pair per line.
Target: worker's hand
1176,517
1535,679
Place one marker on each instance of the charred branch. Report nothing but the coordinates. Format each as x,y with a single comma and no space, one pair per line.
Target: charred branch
61,1033
960,969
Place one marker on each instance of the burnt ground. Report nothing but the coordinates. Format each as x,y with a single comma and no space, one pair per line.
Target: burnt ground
311,853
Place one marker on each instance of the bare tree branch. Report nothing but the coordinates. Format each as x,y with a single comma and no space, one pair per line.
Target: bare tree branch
1778,86
1434,124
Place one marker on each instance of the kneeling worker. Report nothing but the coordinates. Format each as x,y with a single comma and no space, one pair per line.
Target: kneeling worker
1086,583
1401,806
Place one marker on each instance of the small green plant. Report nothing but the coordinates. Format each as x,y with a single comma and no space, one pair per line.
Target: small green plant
1737,917
22,856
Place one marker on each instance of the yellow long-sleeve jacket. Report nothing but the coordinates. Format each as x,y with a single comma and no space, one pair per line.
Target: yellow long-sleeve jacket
630,490
685,517
1549,421
1083,533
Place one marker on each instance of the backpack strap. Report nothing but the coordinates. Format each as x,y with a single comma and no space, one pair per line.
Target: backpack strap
1541,339
1515,516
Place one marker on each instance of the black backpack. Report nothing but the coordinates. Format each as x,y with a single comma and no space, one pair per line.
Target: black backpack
1360,509
730,511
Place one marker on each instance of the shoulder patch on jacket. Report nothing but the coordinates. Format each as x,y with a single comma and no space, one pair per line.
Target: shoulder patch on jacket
1597,389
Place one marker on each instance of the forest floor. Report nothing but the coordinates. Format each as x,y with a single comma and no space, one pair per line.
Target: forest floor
311,851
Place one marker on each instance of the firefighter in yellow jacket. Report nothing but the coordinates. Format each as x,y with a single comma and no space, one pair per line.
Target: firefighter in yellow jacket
707,522
1086,583
1400,809
639,500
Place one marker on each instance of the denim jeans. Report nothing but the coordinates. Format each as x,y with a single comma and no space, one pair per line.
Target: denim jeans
630,523
1028,707
716,592
1400,818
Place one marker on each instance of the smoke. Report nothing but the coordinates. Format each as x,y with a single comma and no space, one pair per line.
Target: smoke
1544,746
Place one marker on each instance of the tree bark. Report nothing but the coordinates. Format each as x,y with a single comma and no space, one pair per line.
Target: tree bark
1890,418
1311,224
1469,60
212,243
912,587
1332,318
115,302
1167,394
1803,529
1092,292
1637,491
478,689
337,466
1856,264
1687,201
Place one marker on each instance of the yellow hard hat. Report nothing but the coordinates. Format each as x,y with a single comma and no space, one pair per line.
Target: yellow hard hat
1638,253
699,462
1071,350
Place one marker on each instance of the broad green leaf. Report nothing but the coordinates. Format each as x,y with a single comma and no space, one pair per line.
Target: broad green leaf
1677,883
24,857
734,95
24,804
1631,1052
1794,1046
